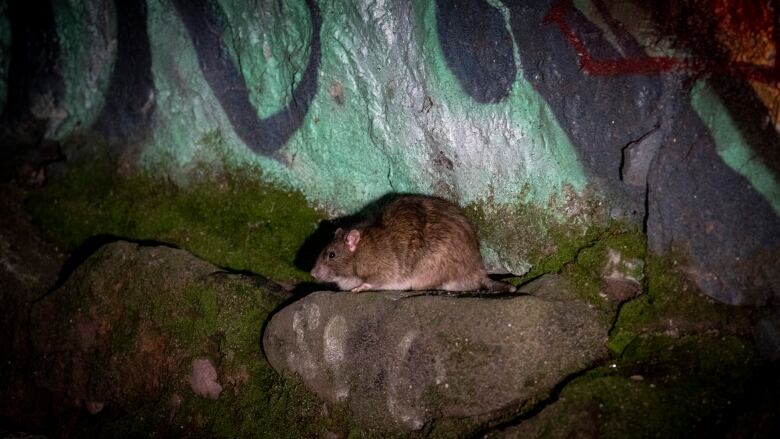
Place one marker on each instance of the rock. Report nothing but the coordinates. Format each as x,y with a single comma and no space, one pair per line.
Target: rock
203,379
399,360
621,277
136,324
637,157
29,266
766,334
725,232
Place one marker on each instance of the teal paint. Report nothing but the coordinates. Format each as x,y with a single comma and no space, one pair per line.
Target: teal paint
268,43
389,116
190,127
732,146
523,148
5,52
87,35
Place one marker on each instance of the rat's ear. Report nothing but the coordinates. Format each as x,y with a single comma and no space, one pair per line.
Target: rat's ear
339,233
352,239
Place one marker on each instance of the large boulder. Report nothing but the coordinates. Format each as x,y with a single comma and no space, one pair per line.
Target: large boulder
29,266
399,360
154,328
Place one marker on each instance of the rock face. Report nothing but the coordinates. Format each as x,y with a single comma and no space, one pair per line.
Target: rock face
135,324
486,103
28,267
399,360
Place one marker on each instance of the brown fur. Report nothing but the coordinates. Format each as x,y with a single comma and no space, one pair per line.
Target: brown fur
415,243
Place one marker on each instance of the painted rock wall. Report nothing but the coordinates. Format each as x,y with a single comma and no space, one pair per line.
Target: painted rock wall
550,103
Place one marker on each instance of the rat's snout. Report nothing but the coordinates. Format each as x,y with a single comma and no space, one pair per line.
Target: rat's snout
318,272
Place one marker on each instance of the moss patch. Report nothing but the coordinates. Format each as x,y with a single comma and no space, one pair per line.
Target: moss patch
531,241
231,220
673,305
586,271
663,386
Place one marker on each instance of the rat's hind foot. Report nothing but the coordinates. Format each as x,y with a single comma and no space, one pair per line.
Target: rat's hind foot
501,287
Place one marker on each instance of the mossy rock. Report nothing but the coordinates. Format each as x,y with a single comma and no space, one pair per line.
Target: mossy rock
406,361
675,305
664,386
125,337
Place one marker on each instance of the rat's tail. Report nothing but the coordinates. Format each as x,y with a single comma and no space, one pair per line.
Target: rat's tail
501,287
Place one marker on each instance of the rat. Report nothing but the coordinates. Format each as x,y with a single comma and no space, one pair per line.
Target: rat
414,243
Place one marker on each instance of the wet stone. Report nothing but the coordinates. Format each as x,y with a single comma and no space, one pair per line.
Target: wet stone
399,360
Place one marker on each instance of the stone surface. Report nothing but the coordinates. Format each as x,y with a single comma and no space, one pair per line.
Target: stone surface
136,324
29,266
766,333
399,360
724,231
550,104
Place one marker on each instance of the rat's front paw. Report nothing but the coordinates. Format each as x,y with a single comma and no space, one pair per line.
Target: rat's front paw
362,287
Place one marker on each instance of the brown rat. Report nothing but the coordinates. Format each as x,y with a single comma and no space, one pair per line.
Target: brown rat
414,243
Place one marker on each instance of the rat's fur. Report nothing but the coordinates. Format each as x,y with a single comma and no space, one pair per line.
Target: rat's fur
415,243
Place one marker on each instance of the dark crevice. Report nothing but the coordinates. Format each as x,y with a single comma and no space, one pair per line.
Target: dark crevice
646,215
460,294
257,280
537,408
634,142
528,280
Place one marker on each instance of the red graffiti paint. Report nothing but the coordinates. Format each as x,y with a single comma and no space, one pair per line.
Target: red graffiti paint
646,65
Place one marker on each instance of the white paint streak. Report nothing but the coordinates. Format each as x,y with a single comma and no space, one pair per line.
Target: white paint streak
333,339
399,409
305,365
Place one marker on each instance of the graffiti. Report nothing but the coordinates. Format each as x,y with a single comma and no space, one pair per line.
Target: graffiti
477,48
642,64
205,25
129,101
686,179
31,76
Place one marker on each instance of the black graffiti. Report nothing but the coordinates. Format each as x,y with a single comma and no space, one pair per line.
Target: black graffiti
477,48
33,70
691,195
205,24
130,101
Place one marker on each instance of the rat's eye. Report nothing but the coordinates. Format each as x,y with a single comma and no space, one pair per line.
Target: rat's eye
331,255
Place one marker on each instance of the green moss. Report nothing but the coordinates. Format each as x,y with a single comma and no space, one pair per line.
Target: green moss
670,386
586,269
230,220
531,241
674,304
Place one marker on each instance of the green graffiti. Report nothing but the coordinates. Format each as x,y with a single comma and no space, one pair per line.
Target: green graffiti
518,140
87,36
732,146
269,46
190,127
388,116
